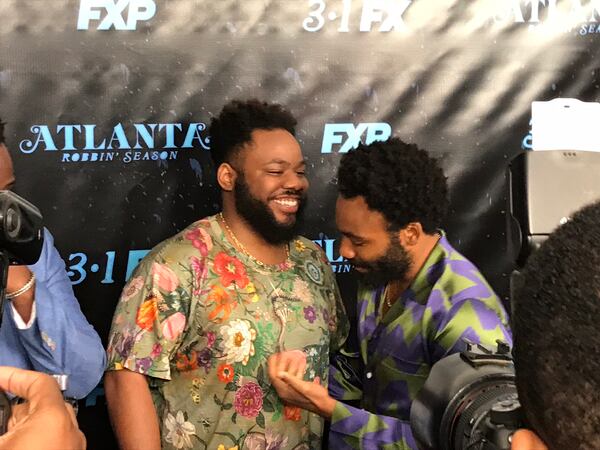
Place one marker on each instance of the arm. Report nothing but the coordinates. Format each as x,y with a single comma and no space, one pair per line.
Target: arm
480,321
351,427
59,340
131,410
146,331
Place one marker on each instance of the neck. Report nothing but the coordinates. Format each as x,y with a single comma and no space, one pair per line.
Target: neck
251,241
419,254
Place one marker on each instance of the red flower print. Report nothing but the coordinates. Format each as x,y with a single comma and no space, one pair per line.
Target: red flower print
292,413
225,373
231,270
186,363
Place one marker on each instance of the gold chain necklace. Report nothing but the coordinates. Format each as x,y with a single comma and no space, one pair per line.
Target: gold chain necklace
243,248
387,295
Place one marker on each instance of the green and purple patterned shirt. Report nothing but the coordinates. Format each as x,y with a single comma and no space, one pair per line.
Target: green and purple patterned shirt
200,319
448,300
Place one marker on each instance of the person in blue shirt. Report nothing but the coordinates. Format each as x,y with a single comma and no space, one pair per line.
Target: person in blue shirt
43,328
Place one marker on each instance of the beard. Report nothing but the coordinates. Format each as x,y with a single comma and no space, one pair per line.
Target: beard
394,265
260,217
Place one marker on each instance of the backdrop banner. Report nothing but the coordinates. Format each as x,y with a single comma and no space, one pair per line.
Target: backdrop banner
108,102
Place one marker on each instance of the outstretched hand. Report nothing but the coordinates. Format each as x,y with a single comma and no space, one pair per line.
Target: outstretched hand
286,371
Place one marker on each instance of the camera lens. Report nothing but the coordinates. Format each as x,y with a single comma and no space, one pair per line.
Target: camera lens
12,222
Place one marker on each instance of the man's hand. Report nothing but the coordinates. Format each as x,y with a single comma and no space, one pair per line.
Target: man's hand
527,440
45,420
293,362
286,370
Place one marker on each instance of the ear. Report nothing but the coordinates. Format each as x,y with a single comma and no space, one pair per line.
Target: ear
410,235
226,176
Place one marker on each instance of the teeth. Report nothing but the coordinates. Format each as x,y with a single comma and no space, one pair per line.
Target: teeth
287,202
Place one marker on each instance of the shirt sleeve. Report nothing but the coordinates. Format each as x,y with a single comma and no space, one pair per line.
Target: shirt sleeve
19,322
479,321
355,428
151,315
60,340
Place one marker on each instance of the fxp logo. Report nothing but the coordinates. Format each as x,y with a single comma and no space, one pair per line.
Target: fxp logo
92,10
348,136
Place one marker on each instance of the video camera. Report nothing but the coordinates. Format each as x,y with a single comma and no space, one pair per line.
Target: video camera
469,400
21,241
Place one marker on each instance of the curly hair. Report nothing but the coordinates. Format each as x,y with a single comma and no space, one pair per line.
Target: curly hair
397,179
556,307
232,129
1,131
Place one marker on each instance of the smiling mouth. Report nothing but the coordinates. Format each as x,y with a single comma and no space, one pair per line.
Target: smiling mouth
287,205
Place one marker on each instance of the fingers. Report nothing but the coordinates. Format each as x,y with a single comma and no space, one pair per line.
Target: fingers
295,383
33,386
293,362
527,440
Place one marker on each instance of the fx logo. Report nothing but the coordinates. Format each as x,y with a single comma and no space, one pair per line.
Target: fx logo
373,12
136,10
334,134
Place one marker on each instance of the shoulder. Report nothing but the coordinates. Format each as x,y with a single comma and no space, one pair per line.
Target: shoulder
193,243
457,276
306,251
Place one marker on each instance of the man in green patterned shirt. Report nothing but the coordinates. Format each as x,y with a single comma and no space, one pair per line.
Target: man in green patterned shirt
205,309
419,298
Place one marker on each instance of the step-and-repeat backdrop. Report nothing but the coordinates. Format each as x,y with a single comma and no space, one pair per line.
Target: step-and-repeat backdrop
108,101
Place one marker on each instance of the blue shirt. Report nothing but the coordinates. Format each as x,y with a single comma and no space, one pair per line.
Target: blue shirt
60,340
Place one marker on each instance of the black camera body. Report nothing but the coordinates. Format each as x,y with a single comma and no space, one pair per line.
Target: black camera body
21,242
468,401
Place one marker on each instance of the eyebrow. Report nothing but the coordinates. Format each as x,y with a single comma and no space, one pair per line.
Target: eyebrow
284,162
352,235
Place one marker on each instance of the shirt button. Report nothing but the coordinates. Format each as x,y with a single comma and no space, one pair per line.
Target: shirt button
369,375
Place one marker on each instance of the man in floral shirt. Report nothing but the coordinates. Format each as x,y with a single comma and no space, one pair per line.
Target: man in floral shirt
205,309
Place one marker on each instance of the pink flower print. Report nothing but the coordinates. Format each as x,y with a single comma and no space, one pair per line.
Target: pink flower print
211,337
200,239
248,400
156,350
132,288
164,278
200,270
173,326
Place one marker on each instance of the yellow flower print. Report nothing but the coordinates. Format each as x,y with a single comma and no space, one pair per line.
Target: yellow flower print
222,447
300,247
251,289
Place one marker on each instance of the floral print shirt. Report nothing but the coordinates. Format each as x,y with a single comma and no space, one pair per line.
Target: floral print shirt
199,319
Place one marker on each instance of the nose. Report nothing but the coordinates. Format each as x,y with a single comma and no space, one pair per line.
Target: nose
295,181
346,249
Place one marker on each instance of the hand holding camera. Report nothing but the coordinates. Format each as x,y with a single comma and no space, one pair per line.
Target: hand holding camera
44,420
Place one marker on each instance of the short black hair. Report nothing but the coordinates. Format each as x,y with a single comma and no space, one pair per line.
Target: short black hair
2,131
397,179
556,308
233,127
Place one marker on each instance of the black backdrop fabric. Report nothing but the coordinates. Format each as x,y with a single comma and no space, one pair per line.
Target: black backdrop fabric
107,104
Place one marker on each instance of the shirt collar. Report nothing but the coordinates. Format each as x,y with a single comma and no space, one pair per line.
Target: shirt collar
420,289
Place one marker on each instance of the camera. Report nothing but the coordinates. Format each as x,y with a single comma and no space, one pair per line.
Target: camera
21,241
469,401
